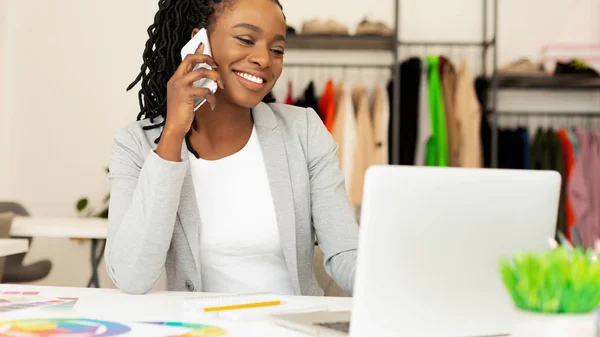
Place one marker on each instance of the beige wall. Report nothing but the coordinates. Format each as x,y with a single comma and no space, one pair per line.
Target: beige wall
4,122
66,64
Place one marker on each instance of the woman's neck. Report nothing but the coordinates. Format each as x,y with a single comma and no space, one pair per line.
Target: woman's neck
221,132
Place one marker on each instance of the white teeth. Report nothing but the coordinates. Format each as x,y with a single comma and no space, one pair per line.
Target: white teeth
250,77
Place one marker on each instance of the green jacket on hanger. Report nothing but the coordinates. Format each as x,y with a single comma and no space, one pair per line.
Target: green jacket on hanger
437,145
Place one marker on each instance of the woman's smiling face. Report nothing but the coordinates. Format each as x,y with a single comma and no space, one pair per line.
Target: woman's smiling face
247,42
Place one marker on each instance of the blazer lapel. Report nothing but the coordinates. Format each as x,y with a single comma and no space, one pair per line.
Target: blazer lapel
275,156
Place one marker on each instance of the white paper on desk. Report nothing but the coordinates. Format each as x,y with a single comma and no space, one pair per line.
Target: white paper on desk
194,307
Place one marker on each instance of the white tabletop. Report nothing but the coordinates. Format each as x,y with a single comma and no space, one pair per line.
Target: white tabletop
113,305
13,246
81,228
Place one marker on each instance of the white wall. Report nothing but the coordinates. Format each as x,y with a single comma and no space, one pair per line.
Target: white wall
67,63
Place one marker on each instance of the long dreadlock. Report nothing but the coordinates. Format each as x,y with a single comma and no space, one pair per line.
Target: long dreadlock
171,30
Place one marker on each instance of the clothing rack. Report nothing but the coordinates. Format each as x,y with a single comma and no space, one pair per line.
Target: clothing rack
486,44
555,83
568,115
394,45
564,114
556,119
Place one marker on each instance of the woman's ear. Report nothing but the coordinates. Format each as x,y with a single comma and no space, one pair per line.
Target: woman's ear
195,31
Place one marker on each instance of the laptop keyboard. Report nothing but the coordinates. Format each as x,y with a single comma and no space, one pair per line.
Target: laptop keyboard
339,326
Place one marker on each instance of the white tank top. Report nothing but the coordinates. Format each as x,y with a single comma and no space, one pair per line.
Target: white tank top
240,249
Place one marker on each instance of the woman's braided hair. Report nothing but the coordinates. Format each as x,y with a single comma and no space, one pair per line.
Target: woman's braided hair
171,30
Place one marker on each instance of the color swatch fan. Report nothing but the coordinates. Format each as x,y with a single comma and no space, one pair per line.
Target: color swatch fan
61,327
79,327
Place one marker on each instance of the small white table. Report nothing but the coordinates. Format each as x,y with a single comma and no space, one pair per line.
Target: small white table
13,246
95,229
80,228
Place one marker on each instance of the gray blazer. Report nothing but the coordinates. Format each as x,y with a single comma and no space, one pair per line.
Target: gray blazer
154,219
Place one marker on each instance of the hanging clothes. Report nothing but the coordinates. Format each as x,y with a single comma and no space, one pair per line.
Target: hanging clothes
511,148
410,77
380,117
327,105
468,119
309,99
569,163
574,142
364,146
437,146
546,154
584,187
344,132
424,119
481,88
448,79
289,98
525,140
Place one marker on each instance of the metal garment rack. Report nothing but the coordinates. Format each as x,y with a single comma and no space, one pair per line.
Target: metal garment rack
486,44
355,43
394,45
536,83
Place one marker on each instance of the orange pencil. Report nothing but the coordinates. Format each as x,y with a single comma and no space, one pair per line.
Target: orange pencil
243,306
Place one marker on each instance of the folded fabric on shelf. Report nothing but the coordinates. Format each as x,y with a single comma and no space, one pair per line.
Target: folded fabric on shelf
319,27
575,67
366,27
522,67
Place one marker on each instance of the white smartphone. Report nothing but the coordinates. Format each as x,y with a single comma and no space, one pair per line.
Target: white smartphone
190,48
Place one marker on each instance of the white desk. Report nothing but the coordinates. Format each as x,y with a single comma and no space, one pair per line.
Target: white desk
112,305
13,246
95,229
80,228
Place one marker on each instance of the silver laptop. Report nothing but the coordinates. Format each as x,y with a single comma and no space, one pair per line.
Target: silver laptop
429,249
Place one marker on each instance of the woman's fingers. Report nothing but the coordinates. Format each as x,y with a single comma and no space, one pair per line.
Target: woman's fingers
201,73
203,93
191,60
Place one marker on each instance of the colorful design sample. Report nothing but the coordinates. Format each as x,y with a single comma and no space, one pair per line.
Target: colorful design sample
61,327
16,292
195,330
66,305
17,302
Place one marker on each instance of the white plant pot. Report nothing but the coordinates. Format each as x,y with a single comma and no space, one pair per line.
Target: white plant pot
531,324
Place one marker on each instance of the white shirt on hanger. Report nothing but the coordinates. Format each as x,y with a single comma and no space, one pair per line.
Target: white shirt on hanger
350,136
240,249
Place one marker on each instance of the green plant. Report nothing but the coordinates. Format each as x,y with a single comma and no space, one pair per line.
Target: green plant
563,280
84,209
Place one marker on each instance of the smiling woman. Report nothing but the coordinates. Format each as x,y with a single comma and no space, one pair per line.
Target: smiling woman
230,197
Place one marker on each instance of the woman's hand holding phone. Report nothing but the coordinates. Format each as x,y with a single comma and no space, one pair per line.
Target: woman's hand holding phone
180,101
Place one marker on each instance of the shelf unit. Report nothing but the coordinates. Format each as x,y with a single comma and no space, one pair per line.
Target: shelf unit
340,42
563,82
487,45
394,45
